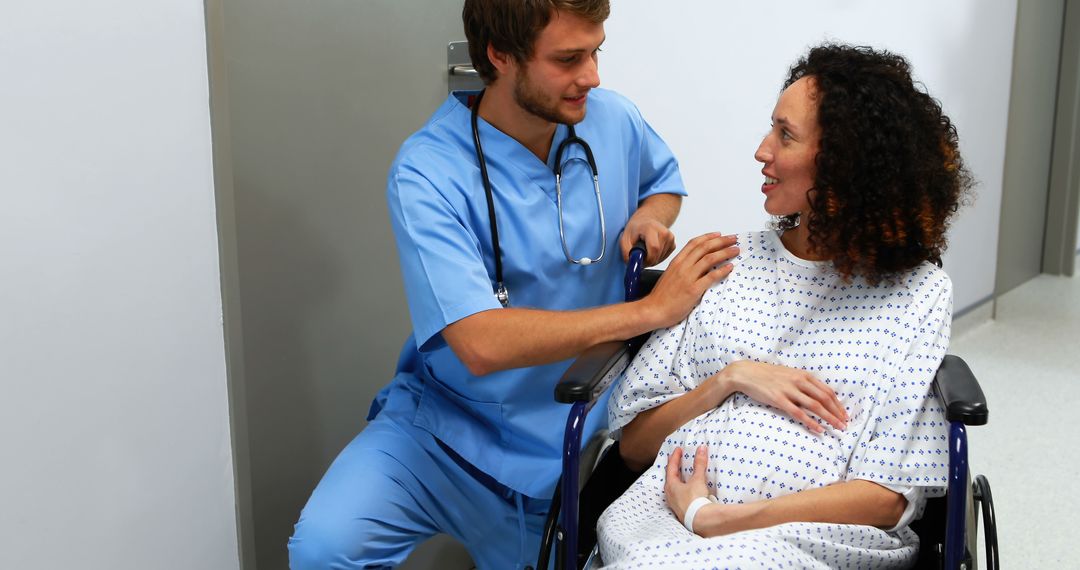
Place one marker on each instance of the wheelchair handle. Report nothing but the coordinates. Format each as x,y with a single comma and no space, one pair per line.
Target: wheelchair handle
634,268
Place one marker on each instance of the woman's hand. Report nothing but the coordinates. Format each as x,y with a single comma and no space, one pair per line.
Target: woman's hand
791,390
713,519
680,494
846,502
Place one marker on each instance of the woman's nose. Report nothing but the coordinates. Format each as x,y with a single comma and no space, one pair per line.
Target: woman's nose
763,154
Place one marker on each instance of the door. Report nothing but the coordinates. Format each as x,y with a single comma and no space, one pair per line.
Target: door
1030,142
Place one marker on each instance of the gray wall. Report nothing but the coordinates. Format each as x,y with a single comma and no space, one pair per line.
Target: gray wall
114,428
319,96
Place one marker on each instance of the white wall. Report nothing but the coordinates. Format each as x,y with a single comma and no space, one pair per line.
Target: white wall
113,415
707,74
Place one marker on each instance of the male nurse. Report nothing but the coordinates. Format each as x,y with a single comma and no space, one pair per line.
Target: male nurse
466,438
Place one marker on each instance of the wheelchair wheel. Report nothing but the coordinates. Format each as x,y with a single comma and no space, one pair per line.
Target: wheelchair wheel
983,496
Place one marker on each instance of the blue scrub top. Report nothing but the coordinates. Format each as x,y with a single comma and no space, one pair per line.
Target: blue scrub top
507,423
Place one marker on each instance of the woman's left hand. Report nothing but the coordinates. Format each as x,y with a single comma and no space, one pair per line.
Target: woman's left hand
680,494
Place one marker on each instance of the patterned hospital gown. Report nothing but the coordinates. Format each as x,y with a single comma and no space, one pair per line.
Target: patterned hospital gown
877,347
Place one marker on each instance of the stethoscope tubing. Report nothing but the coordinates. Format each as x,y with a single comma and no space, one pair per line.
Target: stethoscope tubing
501,292
600,209
500,287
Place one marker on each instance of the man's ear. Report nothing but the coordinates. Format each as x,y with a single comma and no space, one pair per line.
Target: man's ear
503,62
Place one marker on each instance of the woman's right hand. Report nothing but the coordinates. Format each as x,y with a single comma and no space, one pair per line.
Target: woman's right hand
791,390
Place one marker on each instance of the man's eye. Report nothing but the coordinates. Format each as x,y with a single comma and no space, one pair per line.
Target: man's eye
784,134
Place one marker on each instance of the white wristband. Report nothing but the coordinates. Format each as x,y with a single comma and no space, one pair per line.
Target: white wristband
695,506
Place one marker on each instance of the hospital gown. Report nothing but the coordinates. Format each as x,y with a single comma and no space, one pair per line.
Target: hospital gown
877,347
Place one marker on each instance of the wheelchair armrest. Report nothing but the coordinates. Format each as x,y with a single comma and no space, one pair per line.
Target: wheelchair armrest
649,277
960,391
585,379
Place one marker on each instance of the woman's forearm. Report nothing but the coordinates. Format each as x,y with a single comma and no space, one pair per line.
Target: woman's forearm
852,502
642,437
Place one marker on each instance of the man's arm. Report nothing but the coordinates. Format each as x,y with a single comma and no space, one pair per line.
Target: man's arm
500,339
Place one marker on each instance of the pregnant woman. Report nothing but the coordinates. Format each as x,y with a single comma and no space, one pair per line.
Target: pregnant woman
790,420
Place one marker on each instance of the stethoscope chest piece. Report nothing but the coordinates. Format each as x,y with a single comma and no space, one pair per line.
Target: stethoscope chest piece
502,294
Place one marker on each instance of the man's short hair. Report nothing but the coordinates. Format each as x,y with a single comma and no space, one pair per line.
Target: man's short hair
511,26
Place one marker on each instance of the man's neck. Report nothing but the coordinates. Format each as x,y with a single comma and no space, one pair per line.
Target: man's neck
501,111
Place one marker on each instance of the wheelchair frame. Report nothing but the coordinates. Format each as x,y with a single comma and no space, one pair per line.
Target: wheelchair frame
594,371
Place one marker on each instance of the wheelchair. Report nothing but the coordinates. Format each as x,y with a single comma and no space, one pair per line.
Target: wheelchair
947,530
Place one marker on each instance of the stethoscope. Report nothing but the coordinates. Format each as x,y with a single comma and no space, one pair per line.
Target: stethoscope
500,288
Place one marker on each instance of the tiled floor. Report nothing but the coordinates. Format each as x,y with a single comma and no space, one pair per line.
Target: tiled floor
1028,363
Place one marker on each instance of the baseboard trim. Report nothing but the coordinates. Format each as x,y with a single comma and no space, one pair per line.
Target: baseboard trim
972,317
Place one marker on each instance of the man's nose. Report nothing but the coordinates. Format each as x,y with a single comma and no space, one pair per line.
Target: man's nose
590,76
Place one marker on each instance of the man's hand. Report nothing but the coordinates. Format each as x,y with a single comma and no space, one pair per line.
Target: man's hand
659,241
650,224
701,264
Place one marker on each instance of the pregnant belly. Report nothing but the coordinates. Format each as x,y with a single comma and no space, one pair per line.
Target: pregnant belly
757,452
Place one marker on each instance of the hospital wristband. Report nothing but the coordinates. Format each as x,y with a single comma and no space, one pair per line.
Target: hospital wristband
692,510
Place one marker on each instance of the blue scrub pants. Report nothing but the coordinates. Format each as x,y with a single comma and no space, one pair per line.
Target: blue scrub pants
394,486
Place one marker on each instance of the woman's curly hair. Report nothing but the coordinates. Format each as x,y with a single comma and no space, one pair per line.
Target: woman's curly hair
889,172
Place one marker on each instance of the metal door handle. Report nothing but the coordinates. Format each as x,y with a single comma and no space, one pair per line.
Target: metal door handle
461,75
465,70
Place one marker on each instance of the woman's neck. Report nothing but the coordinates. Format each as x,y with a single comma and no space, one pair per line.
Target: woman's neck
797,242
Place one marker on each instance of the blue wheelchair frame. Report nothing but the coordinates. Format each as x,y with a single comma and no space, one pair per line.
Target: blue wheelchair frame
592,373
